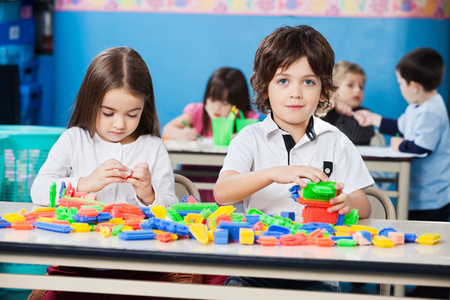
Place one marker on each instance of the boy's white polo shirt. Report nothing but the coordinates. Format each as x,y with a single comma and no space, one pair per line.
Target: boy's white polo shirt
261,146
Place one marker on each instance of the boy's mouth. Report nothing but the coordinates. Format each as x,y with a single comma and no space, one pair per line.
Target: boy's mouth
294,107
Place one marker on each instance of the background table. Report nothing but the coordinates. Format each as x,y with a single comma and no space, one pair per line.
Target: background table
410,264
381,159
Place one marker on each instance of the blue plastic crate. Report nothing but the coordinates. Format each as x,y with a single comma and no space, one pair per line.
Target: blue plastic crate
23,150
30,102
9,11
28,71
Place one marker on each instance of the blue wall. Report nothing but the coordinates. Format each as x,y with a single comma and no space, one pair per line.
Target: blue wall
183,50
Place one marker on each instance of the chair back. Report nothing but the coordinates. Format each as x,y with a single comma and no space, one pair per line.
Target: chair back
382,207
185,187
378,139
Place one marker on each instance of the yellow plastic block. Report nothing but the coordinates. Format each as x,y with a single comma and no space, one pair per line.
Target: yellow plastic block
200,232
228,210
105,231
211,235
81,227
127,228
48,220
44,209
246,236
382,242
173,235
342,228
342,233
211,224
363,227
22,211
428,239
195,218
116,221
12,218
159,211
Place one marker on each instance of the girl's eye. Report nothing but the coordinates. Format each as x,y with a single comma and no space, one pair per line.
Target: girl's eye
107,114
132,116
309,82
283,81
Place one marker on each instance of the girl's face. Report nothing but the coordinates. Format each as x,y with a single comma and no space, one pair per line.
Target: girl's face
352,90
220,108
294,94
118,116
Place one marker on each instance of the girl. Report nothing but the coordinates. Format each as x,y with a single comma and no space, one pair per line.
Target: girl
226,87
351,78
114,128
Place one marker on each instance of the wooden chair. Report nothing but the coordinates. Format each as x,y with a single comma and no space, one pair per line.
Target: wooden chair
185,187
378,139
382,208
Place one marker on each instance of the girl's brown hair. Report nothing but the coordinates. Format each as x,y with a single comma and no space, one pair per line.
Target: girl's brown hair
113,68
282,48
226,84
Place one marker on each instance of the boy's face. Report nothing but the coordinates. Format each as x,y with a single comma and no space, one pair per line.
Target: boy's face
352,90
294,94
407,90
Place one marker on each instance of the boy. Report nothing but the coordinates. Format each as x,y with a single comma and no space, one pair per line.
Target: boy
292,80
424,129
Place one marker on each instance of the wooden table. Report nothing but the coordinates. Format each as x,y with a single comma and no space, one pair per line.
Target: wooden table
409,264
381,159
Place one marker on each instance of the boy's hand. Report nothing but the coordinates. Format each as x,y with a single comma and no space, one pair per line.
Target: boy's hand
141,180
111,171
366,118
395,143
340,202
290,174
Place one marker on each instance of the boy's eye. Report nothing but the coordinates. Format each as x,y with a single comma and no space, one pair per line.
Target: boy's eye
283,81
107,114
309,82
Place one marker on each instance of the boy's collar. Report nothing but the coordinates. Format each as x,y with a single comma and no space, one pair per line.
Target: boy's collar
270,128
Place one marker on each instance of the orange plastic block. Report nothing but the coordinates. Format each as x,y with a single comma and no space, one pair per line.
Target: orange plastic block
325,242
135,224
317,233
265,240
222,217
88,212
123,208
22,225
64,222
258,226
398,238
211,235
200,232
126,216
293,240
173,235
246,236
428,239
77,202
90,196
43,213
382,242
164,237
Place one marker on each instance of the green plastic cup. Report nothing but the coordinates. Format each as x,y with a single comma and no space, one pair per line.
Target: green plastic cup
222,129
241,123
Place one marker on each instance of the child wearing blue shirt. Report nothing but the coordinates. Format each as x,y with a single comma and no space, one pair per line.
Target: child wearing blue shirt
424,129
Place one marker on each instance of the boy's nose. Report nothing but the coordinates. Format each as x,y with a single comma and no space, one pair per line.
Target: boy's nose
296,92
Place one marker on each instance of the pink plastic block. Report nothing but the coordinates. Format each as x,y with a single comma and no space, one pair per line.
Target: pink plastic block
398,238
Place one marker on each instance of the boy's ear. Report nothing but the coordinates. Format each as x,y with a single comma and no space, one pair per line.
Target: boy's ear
416,87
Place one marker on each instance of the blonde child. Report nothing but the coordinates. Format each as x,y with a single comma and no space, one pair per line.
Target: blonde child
423,129
114,128
226,87
351,80
292,80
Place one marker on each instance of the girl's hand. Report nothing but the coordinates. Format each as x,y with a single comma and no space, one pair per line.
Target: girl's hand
111,171
395,143
188,134
289,174
343,108
340,202
141,180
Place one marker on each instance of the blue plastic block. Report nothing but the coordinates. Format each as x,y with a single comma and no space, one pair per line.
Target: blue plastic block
61,190
147,212
164,225
62,228
288,214
278,228
276,234
221,236
310,227
340,220
137,235
4,223
410,238
233,228
252,219
385,231
336,238
104,217
295,192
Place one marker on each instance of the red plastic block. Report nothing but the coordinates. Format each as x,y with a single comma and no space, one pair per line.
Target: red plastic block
318,214
325,242
267,240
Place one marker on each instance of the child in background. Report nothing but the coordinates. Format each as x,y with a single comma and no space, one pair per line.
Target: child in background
114,127
292,80
351,80
424,129
226,87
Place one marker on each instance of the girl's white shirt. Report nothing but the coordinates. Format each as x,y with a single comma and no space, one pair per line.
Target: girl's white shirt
76,154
